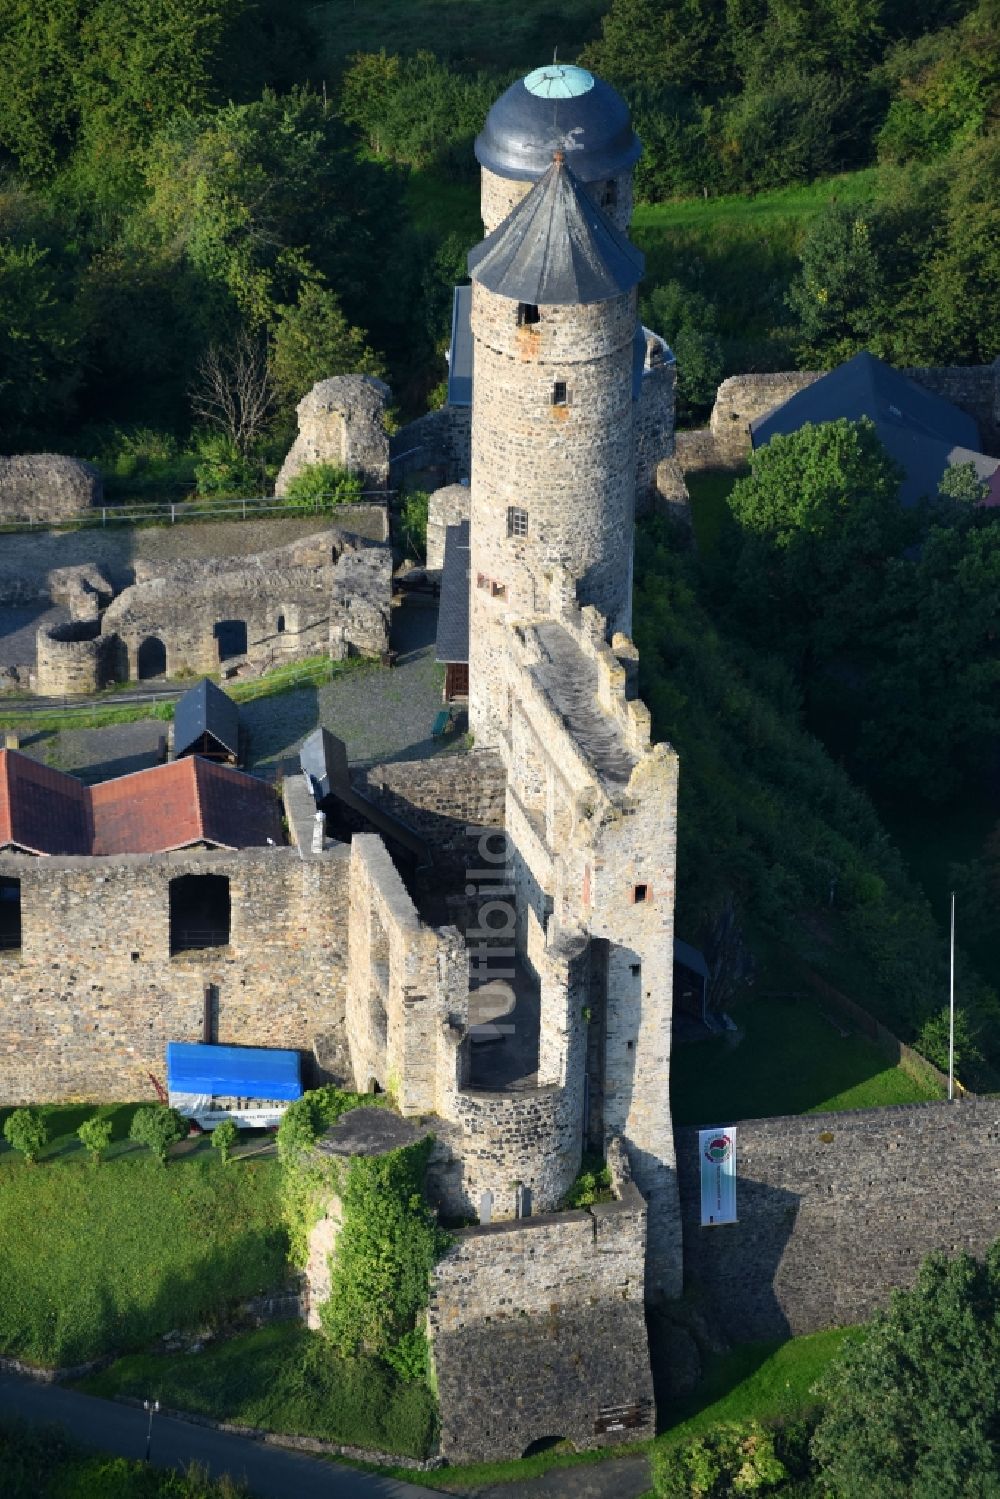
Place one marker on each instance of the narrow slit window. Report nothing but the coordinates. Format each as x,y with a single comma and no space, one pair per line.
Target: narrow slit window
560,394
281,624
527,314
517,521
609,198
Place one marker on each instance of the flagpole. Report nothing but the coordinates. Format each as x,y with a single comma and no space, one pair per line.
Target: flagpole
951,1008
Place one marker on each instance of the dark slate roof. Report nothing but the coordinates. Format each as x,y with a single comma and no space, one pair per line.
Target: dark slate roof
323,758
558,107
460,356
453,613
922,431
206,709
557,248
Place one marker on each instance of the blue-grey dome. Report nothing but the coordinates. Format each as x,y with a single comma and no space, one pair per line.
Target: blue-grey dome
558,107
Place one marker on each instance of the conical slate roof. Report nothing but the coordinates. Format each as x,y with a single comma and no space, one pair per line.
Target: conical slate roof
557,248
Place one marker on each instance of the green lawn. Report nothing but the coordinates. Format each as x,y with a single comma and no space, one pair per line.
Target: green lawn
799,202
98,1259
790,1060
756,1381
283,1378
466,31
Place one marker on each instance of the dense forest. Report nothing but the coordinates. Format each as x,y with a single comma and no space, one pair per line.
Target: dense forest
223,174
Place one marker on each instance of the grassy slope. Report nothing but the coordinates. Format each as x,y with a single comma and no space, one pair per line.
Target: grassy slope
719,1079
97,1259
267,1379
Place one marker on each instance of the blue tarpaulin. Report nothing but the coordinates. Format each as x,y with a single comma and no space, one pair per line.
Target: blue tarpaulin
233,1071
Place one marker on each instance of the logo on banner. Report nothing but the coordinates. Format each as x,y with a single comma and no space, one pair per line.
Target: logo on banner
719,1150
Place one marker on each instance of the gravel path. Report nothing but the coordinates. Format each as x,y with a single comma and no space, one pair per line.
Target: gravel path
18,627
380,714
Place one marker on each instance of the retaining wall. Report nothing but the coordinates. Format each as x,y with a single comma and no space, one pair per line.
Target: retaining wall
837,1210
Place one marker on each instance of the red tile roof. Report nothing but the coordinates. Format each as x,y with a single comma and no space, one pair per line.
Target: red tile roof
171,806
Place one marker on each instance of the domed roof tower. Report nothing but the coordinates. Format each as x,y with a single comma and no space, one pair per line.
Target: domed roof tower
558,108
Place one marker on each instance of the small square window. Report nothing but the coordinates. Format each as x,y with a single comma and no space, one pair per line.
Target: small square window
560,394
527,314
517,521
639,894
499,590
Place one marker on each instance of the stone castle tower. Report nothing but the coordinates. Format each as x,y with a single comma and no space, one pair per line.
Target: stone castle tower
556,341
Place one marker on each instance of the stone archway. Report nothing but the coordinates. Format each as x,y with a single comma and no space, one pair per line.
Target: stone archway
151,658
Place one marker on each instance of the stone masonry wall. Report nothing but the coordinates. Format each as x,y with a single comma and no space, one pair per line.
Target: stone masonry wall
837,1210
447,800
448,506
342,421
538,1330
46,487
741,399
570,467
90,1000
439,442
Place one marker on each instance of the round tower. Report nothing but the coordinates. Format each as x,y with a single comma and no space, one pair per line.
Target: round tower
558,108
553,446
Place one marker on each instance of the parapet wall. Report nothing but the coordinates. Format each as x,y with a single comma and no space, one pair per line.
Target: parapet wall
75,657
837,1210
450,800
538,1330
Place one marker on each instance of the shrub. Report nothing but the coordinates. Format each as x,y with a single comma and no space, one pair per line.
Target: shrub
159,1128
593,1184
738,1459
323,485
413,523
25,1131
221,469
224,1137
95,1137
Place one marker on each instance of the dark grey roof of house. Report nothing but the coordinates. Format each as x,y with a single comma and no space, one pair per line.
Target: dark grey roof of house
558,107
206,709
460,357
922,431
453,613
557,248
323,758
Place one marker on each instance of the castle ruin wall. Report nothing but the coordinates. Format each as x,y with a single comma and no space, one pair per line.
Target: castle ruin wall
837,1210
538,1331
92,996
41,487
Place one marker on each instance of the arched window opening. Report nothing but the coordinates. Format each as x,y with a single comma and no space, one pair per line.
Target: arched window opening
151,658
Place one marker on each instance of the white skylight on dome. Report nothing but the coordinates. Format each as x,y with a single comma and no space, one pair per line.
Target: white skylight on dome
559,81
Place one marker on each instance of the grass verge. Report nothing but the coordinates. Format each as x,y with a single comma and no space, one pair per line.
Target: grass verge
40,1462
790,1059
283,1378
94,1260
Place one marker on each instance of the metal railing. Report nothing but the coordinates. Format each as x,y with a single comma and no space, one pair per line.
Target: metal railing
171,512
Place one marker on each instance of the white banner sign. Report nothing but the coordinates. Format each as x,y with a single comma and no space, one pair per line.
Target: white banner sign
717,1153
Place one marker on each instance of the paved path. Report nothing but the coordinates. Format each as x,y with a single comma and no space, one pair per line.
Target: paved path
269,1472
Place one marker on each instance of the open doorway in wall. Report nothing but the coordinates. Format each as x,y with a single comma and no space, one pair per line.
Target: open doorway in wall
200,912
231,638
151,658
